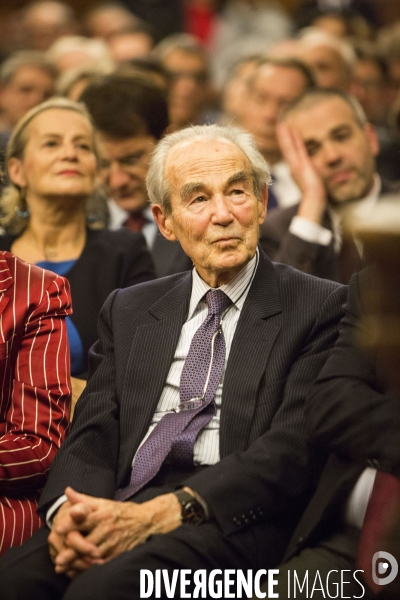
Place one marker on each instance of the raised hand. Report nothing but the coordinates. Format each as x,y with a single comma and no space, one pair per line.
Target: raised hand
313,203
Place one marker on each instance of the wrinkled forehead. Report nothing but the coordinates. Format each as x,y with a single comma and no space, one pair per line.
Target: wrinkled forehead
199,159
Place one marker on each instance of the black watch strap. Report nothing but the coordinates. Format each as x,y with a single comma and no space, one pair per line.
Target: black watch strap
193,511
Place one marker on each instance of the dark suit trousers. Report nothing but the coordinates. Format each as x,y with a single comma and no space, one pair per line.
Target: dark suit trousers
29,567
27,572
328,567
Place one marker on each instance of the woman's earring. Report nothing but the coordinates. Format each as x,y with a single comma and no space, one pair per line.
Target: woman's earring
20,212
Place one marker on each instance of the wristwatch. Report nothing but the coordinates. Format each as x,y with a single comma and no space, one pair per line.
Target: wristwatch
193,511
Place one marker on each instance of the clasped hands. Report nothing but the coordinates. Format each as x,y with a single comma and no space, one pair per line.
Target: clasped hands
88,530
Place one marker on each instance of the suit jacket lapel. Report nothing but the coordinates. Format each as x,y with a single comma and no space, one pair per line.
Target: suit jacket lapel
146,372
256,332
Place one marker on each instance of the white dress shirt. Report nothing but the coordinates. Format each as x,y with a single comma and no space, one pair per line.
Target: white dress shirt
118,216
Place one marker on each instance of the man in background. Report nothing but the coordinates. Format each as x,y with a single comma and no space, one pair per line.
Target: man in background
273,85
130,115
331,150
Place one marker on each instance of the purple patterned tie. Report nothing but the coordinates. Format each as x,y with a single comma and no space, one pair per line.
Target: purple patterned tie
176,432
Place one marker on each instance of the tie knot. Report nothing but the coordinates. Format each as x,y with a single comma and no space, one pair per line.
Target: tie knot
217,302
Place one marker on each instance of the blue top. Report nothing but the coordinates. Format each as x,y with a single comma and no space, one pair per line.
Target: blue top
75,342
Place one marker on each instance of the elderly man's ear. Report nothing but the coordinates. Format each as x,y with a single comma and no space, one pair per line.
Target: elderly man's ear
262,210
164,221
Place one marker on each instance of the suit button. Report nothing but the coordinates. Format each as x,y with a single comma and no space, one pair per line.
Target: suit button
237,521
300,541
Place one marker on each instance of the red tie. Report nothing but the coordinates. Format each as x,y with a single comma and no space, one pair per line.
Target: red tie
380,516
135,222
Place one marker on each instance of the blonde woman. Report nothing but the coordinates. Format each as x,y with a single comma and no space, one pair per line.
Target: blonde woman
52,168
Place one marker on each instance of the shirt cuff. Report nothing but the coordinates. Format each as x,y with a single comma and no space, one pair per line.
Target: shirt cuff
309,231
53,509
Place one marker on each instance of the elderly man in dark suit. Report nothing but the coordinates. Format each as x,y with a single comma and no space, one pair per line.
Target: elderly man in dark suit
331,150
194,408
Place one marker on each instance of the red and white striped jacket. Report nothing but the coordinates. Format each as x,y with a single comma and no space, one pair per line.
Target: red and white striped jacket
34,389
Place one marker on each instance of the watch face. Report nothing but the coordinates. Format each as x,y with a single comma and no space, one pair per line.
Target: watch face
192,511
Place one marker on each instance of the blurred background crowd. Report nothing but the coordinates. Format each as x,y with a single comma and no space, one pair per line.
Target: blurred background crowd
202,52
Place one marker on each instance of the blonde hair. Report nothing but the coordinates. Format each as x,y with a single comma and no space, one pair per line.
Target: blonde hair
13,201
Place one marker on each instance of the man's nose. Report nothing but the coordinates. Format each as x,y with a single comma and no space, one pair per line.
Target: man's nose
270,111
332,154
117,177
221,208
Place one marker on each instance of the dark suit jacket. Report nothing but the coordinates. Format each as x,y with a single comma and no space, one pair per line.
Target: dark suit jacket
281,245
287,325
110,260
168,257
349,414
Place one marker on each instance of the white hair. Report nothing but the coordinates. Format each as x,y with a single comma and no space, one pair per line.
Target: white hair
96,50
312,36
157,185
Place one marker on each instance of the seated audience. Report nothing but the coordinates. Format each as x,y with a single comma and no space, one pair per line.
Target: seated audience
130,115
34,390
331,150
275,83
52,169
222,414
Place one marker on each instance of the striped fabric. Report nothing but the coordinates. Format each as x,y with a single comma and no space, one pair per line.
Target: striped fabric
34,389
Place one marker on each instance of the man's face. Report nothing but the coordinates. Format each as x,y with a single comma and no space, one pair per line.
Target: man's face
368,86
29,87
273,88
123,168
215,214
188,88
329,67
341,151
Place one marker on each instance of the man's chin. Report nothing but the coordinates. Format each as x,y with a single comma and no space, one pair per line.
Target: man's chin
131,204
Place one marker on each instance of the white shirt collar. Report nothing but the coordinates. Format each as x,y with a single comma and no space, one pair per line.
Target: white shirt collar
236,289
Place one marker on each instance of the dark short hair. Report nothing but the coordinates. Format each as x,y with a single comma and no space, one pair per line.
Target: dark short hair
288,63
312,97
123,106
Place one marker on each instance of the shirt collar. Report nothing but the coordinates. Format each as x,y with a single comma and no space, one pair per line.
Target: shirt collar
236,290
